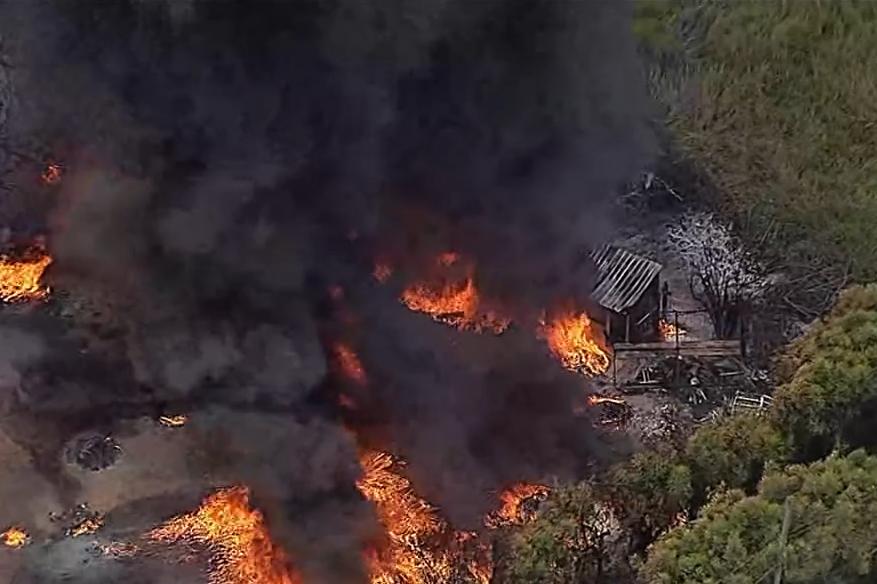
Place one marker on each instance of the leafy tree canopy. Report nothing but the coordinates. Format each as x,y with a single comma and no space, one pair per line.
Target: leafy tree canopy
831,511
567,543
649,492
733,452
832,372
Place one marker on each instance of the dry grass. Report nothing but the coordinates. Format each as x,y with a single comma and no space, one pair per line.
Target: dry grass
782,115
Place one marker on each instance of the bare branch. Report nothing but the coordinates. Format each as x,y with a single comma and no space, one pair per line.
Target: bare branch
724,277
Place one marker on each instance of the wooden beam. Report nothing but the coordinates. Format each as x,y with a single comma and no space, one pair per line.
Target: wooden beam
715,348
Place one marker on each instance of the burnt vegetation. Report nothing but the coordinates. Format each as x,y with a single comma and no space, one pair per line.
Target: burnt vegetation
300,292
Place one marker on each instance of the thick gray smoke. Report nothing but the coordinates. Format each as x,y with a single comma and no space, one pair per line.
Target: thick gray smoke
227,161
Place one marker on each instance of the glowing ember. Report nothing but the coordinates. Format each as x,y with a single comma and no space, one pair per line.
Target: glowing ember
382,272
408,520
669,331
349,364
236,537
512,500
118,549
448,258
51,175
20,276
173,421
15,537
577,342
594,400
86,526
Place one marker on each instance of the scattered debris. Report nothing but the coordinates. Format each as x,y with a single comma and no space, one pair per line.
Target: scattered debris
664,424
117,549
80,520
610,411
756,403
95,452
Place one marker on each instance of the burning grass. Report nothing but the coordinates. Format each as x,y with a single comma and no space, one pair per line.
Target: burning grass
577,342
409,522
20,275
513,505
236,537
421,547
15,537
451,296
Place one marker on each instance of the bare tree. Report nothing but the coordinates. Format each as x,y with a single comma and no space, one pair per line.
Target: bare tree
724,277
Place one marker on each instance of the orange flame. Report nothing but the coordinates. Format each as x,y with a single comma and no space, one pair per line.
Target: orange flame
455,302
15,537
511,510
86,526
173,421
349,363
51,174
594,400
577,342
669,331
408,520
235,535
20,276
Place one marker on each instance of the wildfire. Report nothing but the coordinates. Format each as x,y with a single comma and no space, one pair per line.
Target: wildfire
87,526
15,537
512,500
408,520
669,331
349,363
594,400
453,301
173,421
236,537
20,276
577,342
51,174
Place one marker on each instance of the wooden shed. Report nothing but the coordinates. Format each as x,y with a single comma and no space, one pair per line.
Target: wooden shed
628,294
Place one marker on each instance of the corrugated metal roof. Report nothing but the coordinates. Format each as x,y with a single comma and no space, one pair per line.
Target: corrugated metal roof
622,277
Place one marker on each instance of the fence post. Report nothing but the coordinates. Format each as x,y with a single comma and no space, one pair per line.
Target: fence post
784,535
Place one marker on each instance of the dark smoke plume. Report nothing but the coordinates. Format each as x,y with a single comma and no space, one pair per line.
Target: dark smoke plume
227,161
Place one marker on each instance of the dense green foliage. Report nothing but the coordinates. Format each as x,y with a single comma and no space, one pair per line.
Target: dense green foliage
649,492
832,530
778,106
732,453
565,544
832,372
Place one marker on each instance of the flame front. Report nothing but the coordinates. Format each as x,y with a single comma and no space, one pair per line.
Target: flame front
511,510
20,276
577,342
235,535
15,537
408,520
453,301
